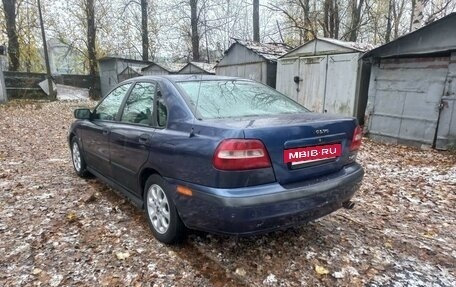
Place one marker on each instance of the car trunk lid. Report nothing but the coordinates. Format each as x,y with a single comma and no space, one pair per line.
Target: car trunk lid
300,134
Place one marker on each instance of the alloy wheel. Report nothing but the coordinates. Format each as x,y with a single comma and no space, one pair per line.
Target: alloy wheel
158,208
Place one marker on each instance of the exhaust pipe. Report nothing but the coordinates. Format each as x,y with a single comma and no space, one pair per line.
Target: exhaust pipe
348,204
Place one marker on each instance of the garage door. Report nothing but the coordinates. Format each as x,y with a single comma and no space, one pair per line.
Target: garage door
404,99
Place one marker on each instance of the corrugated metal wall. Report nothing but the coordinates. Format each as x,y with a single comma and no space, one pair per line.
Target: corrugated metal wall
108,75
241,62
254,71
405,97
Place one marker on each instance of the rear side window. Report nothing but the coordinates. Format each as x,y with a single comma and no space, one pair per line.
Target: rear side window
109,106
228,99
139,105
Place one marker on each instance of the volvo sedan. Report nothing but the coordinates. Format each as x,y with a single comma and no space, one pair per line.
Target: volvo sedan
217,154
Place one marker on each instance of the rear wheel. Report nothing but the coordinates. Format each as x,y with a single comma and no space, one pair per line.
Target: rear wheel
161,212
78,160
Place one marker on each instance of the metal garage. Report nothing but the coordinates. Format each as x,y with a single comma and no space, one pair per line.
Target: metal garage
112,67
251,60
325,75
412,92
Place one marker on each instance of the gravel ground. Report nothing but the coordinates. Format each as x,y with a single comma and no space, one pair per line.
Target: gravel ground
59,230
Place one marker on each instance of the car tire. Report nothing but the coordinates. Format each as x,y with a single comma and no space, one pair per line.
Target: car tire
79,163
161,213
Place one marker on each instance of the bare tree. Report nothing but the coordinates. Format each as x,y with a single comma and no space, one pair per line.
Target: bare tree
331,19
144,31
11,30
91,44
194,19
398,12
297,14
389,21
256,20
356,7
416,21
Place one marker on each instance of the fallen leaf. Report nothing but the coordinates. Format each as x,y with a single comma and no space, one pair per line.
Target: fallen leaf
240,271
321,270
36,271
122,255
71,216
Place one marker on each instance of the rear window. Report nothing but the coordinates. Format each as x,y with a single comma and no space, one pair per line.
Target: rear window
227,99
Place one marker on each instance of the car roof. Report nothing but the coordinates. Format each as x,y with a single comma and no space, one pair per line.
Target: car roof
189,77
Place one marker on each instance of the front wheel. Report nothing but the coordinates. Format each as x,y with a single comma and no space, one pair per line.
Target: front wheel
78,161
161,212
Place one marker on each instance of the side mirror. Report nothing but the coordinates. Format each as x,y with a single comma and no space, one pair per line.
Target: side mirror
82,114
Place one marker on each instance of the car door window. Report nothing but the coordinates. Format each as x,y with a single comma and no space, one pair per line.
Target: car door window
109,107
139,105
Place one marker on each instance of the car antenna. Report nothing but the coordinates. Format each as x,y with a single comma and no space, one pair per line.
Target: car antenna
192,131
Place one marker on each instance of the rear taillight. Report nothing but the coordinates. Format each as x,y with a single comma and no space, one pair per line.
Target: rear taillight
356,140
241,154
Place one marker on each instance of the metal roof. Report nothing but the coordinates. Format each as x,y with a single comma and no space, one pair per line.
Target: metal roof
108,58
360,47
436,37
208,67
269,51
324,46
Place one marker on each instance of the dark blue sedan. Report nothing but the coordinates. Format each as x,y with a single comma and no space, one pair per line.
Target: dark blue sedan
217,154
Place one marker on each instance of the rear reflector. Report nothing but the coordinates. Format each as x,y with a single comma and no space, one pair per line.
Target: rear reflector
356,140
241,154
184,190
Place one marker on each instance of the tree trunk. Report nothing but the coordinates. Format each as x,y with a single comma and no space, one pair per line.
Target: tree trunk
256,20
336,20
91,46
144,31
307,23
194,24
326,20
331,19
388,23
355,19
11,31
417,14
398,11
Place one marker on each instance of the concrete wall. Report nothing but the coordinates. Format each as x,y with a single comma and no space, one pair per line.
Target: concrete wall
25,85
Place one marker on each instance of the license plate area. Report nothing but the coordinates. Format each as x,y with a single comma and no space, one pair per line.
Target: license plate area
311,155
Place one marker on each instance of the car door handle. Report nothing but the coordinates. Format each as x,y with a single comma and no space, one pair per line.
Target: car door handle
106,131
144,138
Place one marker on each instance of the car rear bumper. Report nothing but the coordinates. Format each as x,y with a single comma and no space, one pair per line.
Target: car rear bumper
266,207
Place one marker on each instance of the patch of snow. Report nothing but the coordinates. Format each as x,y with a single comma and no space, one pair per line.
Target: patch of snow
69,93
270,280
